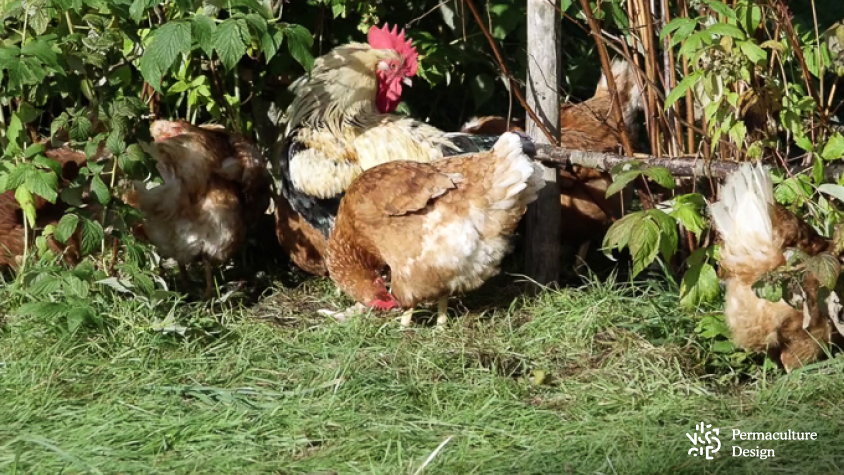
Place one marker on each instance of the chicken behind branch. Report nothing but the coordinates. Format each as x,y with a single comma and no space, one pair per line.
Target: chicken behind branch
756,232
591,126
215,184
440,227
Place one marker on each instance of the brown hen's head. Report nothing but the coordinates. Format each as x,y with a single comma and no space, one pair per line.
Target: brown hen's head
165,129
383,300
392,73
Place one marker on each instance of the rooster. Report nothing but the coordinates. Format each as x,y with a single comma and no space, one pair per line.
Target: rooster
439,227
756,231
12,230
341,123
215,184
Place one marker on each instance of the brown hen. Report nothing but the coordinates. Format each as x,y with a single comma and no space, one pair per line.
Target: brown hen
756,232
439,228
215,184
12,235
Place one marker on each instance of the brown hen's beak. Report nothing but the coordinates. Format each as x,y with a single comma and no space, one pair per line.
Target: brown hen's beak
407,82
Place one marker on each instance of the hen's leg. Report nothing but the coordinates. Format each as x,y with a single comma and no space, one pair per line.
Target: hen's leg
184,278
580,258
442,311
407,317
209,278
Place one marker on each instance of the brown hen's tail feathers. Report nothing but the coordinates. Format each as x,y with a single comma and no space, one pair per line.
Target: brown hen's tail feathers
517,179
627,85
743,216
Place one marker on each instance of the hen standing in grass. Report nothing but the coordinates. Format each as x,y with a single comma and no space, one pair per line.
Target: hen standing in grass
438,228
341,123
756,231
215,184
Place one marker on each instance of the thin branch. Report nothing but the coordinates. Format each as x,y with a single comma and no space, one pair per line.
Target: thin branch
784,17
514,85
605,65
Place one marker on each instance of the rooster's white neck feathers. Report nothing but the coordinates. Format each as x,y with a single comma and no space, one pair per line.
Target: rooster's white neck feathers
341,86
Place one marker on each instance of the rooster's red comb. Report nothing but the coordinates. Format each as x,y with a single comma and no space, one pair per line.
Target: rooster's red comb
385,38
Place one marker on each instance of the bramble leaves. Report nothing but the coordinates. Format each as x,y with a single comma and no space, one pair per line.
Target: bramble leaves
299,43
167,43
230,41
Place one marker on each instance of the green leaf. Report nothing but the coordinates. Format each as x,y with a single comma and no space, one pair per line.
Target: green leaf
675,25
836,191
253,6
688,210
138,8
230,41
59,123
661,176
618,236
92,236
47,310
66,227
42,48
804,142
77,316
769,288
100,190
38,149
170,40
834,148
753,52
681,88
713,326
790,191
115,143
668,238
644,245
271,42
299,43
42,183
24,199
725,29
81,128
620,180
723,346
699,285
825,268
738,132
721,8
204,29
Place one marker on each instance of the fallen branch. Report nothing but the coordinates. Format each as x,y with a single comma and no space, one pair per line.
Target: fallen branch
678,166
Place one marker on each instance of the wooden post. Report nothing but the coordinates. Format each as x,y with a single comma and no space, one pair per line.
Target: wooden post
544,233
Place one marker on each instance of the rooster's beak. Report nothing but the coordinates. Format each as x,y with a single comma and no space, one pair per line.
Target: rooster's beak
407,82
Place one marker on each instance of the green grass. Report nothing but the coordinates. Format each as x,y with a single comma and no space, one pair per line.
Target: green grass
607,378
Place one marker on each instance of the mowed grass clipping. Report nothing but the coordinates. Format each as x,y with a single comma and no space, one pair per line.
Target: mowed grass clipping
607,378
